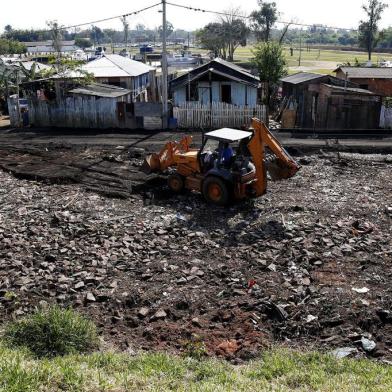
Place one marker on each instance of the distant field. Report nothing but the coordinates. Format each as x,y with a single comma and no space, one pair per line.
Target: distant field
314,60
323,61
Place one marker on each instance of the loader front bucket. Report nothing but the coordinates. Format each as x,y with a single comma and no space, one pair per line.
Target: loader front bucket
151,164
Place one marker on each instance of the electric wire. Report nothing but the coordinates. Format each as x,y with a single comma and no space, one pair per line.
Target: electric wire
250,16
64,28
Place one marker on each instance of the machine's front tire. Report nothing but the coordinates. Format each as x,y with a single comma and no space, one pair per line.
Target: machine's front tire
215,191
176,182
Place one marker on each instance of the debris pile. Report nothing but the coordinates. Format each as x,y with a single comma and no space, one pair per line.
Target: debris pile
308,264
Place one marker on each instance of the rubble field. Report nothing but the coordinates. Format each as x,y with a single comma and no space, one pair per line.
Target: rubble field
307,265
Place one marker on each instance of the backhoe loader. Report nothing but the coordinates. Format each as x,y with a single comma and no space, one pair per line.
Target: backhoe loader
230,165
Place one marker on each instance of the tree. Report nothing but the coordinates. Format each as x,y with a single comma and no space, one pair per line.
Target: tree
7,30
212,38
386,38
56,36
271,64
126,30
96,34
263,20
82,42
11,47
368,29
235,32
169,29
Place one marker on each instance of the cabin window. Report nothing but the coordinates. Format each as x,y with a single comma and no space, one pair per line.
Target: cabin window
226,93
364,86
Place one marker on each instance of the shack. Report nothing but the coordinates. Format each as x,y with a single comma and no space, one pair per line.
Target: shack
216,81
318,101
376,79
123,72
336,107
60,104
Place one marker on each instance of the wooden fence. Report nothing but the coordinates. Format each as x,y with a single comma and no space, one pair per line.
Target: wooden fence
216,115
89,113
386,117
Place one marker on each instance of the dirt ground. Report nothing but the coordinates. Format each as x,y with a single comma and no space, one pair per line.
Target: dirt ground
307,265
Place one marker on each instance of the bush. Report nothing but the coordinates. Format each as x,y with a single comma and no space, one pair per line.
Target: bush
53,332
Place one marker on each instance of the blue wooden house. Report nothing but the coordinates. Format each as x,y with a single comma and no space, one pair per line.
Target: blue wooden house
216,81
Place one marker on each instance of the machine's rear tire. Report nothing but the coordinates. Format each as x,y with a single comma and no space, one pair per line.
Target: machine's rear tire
215,191
176,182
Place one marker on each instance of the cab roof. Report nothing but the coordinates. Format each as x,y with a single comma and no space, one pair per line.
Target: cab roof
228,135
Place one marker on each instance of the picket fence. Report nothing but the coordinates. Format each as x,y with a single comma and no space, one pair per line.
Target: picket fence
216,115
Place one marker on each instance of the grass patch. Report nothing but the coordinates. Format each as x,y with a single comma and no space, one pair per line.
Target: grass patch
276,370
53,332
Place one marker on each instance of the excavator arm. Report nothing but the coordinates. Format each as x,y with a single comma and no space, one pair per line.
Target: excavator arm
282,167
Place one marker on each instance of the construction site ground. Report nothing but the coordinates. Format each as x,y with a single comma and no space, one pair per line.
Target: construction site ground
308,265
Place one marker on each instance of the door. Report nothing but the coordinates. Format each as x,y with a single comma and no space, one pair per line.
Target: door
204,95
226,93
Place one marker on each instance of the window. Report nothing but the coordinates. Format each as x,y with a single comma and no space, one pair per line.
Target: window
210,146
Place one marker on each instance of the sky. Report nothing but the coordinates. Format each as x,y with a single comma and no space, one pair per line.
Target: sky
34,14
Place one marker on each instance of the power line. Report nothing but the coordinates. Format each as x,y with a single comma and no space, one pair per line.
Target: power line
249,17
62,28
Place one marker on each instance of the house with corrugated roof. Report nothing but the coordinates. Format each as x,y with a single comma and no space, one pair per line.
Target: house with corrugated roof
216,81
47,46
375,79
123,72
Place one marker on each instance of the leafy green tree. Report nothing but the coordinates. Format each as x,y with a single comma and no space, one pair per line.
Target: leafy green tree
97,35
11,47
271,64
385,38
169,29
235,33
368,29
82,43
7,29
212,38
223,38
263,20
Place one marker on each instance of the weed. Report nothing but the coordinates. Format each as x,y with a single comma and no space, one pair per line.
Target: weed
53,332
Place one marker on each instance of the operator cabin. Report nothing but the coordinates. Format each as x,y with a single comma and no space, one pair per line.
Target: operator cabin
218,81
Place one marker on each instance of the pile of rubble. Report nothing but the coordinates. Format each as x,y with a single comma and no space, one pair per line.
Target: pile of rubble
308,264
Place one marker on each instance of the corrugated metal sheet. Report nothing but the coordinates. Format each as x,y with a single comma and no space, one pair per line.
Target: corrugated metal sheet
367,72
301,77
359,91
114,65
101,90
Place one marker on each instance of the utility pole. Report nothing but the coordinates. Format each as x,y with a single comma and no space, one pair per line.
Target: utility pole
164,67
300,48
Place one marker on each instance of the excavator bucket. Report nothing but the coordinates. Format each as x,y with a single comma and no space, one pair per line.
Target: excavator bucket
151,164
278,170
